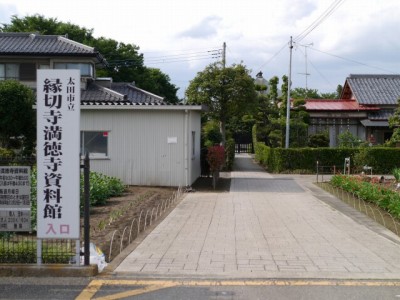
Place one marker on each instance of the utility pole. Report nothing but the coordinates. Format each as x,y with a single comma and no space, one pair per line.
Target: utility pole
222,128
223,55
288,96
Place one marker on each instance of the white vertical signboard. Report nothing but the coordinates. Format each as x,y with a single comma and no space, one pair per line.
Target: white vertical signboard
58,164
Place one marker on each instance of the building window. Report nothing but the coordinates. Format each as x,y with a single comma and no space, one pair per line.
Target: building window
27,71
24,71
95,143
193,144
9,71
85,68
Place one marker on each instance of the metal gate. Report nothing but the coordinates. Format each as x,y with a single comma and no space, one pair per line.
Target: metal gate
243,142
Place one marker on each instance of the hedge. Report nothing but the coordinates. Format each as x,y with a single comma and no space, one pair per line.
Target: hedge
280,160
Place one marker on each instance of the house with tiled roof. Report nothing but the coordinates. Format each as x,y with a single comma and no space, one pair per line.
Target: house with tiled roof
365,105
128,132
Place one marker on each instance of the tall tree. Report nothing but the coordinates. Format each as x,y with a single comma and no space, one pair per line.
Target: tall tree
16,100
394,123
329,95
267,113
48,26
160,84
299,120
302,93
126,64
339,91
226,91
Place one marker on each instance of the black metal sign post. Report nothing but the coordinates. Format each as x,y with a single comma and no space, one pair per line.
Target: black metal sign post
86,219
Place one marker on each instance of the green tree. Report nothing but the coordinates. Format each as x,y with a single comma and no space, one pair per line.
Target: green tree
48,26
283,98
302,93
267,112
394,123
17,117
159,83
348,140
299,120
226,91
339,91
210,134
320,139
329,96
126,64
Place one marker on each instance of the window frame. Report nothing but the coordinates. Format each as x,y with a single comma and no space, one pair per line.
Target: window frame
95,155
5,76
68,65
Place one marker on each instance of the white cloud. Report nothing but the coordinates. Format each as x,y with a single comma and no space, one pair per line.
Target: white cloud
207,28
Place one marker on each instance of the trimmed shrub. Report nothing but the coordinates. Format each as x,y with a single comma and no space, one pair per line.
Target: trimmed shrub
216,158
280,160
229,154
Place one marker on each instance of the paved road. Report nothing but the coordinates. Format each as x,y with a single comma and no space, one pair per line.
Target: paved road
265,227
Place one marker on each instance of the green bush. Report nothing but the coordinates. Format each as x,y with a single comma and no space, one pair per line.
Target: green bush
280,160
211,134
317,140
229,154
25,252
6,153
102,187
383,197
382,160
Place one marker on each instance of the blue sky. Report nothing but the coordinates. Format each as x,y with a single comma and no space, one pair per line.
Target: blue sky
179,36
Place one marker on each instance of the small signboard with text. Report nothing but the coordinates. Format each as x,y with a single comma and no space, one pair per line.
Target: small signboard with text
58,161
15,198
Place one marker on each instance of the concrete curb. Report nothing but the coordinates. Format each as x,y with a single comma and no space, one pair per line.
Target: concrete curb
53,270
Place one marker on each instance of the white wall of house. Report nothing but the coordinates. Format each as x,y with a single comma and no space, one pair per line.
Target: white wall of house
147,147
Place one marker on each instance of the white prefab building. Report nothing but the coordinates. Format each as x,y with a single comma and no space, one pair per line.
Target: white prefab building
149,144
128,132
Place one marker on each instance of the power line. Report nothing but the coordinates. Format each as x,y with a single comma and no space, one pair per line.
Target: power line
329,11
310,28
184,50
275,55
182,60
354,61
173,58
213,52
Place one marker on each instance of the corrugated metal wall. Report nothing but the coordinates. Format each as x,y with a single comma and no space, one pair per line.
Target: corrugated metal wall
195,125
146,147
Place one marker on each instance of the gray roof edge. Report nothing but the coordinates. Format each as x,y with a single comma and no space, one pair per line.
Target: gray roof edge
111,92
355,76
66,40
145,92
370,123
141,106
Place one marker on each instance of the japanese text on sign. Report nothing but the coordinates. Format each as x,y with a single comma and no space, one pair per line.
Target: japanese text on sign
58,117
15,198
